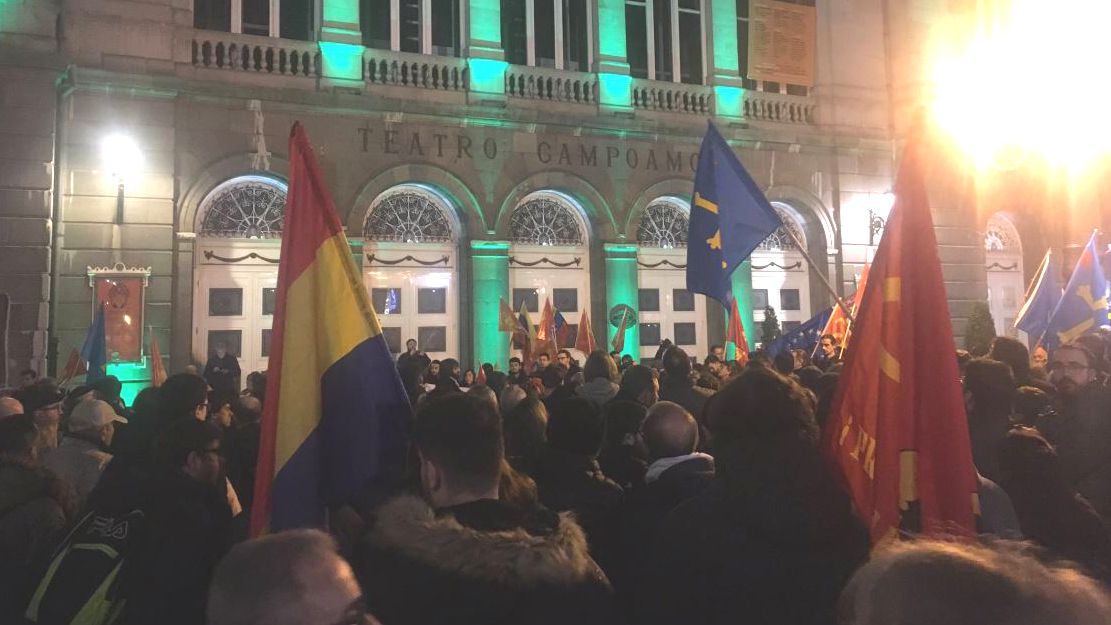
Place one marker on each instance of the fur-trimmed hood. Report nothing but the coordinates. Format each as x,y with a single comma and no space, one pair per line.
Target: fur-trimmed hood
408,526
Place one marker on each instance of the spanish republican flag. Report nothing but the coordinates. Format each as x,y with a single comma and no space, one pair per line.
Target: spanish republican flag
898,428
335,412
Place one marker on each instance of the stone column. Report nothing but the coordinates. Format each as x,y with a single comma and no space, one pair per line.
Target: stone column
485,56
724,72
622,289
489,284
612,64
341,44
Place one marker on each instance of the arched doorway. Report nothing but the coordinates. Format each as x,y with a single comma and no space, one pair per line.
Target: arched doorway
667,309
236,269
549,258
410,264
1003,264
780,277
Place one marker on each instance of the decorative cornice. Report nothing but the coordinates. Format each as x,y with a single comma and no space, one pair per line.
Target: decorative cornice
662,262
796,265
1012,267
371,258
117,270
576,262
210,255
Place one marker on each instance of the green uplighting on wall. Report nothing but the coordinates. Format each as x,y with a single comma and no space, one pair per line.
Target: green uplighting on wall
485,21
725,36
490,264
729,101
611,28
134,376
621,288
487,75
742,290
342,60
615,90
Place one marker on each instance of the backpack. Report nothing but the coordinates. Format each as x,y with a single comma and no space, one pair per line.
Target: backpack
84,583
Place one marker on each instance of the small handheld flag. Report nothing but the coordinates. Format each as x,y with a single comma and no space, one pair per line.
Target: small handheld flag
507,321
336,414
619,338
584,341
735,335
1083,305
562,328
157,371
74,367
729,217
1041,298
95,349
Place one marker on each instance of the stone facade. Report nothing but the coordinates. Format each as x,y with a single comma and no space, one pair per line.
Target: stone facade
72,71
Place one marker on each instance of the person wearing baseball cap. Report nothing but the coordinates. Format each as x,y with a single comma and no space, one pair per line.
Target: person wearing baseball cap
43,401
82,456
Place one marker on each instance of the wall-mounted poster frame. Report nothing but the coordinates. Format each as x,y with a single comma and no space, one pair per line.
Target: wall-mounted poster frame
123,291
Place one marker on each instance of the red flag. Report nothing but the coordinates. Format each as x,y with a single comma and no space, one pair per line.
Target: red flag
481,379
736,334
157,371
584,342
619,338
838,324
546,334
507,321
898,428
74,366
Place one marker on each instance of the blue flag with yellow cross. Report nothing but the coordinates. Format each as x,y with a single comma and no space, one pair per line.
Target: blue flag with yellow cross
729,217
1083,305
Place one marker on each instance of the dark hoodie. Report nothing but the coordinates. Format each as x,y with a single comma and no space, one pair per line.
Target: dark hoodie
486,562
35,506
771,540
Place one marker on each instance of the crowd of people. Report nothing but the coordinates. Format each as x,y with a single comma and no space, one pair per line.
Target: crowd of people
671,491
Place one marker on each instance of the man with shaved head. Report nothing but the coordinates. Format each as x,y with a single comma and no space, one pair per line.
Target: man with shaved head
677,472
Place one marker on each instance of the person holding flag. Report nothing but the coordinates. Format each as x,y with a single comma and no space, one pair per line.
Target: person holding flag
336,413
897,428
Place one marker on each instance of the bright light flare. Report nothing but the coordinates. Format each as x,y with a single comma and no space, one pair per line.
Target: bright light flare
1027,80
121,156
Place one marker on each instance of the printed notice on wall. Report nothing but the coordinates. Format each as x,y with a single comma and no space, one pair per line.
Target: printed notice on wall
781,42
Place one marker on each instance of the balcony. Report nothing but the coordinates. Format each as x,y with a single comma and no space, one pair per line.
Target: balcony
255,55
779,108
670,97
550,85
419,71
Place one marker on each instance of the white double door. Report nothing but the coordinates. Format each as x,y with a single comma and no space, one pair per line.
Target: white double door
415,291
667,309
1006,289
561,274
780,280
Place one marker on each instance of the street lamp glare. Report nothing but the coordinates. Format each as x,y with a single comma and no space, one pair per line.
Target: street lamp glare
121,155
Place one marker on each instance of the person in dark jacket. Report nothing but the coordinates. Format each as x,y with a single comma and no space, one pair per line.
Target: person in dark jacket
187,529
447,379
222,370
570,479
1050,512
526,434
35,507
773,538
676,473
677,385
600,378
1015,355
989,396
623,459
462,555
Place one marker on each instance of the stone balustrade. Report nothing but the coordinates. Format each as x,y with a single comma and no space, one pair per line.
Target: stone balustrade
542,83
654,95
779,108
403,69
250,53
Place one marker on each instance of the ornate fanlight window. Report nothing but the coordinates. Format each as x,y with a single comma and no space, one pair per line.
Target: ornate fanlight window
408,215
248,207
1000,235
545,220
780,240
664,224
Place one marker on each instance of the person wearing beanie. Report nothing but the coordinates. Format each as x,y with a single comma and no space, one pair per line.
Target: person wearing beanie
43,401
83,454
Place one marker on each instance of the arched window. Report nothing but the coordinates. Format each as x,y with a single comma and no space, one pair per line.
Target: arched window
408,214
545,219
1001,236
247,207
664,224
780,240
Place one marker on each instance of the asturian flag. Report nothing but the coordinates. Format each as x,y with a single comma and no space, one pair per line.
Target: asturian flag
1041,298
336,414
1083,305
729,217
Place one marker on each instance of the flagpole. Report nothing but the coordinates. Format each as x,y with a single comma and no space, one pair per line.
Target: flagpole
825,280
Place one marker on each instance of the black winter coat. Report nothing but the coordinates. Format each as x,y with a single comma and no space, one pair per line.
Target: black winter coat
772,547
485,562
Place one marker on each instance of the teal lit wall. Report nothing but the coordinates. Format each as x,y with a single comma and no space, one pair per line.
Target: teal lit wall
742,290
490,264
621,288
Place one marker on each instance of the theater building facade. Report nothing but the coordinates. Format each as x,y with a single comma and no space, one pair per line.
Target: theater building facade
525,150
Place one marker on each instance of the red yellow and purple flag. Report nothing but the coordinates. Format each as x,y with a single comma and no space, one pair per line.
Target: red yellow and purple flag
898,428
335,415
